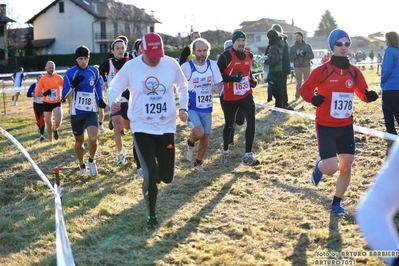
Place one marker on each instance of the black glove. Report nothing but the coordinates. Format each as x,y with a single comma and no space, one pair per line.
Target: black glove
47,93
236,78
78,79
253,83
371,95
63,100
317,100
102,104
303,53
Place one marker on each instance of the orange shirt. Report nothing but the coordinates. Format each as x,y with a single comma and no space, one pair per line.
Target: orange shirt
53,83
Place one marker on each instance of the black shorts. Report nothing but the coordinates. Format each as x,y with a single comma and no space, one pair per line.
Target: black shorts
80,122
123,111
48,107
335,140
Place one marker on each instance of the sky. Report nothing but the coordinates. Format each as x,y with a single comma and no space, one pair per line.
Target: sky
356,17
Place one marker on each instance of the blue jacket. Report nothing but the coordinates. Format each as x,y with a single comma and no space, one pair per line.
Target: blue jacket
390,69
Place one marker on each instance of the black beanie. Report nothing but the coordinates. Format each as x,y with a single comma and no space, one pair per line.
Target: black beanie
238,34
271,34
82,51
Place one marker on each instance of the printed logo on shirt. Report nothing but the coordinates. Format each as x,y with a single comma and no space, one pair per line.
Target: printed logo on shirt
196,80
349,84
153,85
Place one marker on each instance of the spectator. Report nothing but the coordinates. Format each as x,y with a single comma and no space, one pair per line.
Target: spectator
371,55
186,54
301,53
379,62
286,66
18,78
390,82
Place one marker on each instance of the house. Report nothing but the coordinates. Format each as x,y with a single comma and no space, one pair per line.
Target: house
4,20
256,32
65,24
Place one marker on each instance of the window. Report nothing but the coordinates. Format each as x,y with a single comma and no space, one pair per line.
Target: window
116,29
2,31
127,28
61,7
104,48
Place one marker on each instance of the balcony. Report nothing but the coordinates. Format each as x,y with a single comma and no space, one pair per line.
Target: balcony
103,37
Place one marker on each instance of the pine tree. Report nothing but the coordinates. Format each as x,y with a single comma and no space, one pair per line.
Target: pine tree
326,24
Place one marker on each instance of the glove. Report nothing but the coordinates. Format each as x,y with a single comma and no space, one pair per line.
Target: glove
303,53
236,78
317,100
63,100
78,79
253,83
371,95
102,104
47,93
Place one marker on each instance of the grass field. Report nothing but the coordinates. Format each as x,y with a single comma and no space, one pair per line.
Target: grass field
270,214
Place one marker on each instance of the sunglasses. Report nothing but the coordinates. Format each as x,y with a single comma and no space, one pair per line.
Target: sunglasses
339,44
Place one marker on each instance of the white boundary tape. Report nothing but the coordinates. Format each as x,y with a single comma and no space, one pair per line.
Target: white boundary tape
63,247
364,130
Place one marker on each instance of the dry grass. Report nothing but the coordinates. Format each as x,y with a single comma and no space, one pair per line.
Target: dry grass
231,215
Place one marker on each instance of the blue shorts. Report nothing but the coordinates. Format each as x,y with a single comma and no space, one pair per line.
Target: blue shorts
335,140
80,122
201,119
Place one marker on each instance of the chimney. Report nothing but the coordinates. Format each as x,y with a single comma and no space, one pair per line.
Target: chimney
152,14
3,9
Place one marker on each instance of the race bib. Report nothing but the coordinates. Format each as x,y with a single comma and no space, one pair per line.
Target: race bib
240,88
204,99
53,95
84,101
341,105
154,107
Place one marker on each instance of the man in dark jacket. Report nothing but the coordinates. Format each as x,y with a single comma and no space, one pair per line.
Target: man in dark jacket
274,52
286,66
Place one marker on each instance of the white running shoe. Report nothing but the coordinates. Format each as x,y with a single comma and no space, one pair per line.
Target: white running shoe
82,171
224,158
101,128
189,152
199,168
93,168
140,173
121,158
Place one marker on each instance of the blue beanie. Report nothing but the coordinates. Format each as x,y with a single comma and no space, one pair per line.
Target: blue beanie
335,35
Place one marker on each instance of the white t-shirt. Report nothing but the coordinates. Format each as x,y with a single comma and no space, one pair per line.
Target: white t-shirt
152,106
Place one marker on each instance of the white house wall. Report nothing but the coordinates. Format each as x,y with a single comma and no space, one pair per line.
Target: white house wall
70,29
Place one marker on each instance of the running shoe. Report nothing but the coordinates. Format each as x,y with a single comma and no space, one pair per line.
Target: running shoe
152,223
55,133
338,209
41,138
198,167
101,128
92,168
82,171
224,158
121,158
249,159
189,152
317,174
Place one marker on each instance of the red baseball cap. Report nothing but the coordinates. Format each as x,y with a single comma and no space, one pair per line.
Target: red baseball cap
152,45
